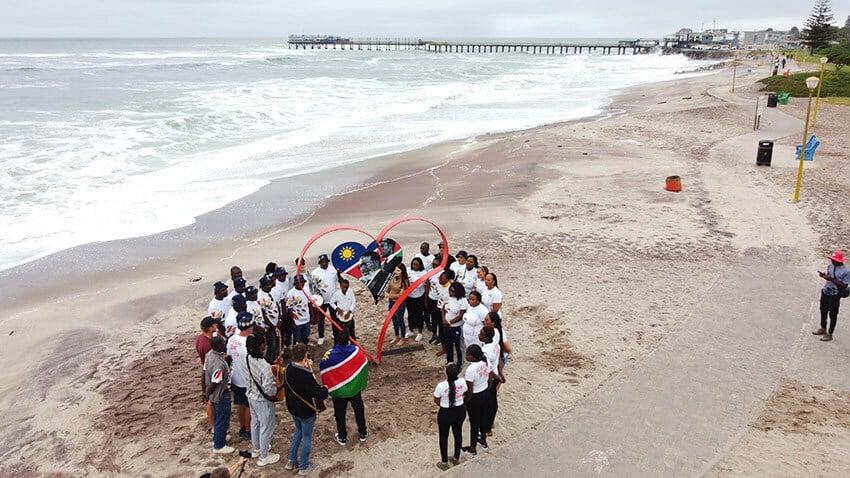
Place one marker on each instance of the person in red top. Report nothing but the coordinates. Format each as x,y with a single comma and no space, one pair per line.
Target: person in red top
202,346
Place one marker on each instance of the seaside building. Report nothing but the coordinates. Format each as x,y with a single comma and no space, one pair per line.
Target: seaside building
771,39
711,39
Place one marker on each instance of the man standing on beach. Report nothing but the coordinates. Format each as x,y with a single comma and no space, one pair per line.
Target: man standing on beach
239,374
299,308
345,371
325,282
271,311
239,304
837,277
308,278
216,379
253,305
220,304
426,256
278,293
203,347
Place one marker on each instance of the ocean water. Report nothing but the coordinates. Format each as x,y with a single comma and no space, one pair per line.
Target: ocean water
111,139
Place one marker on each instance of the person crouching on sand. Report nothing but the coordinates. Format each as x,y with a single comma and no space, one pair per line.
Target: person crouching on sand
449,396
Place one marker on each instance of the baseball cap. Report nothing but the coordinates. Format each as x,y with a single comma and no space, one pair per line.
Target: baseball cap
280,271
265,280
219,285
462,254
244,320
323,257
239,281
207,322
250,290
239,299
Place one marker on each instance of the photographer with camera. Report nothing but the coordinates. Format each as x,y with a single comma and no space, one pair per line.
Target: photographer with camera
223,472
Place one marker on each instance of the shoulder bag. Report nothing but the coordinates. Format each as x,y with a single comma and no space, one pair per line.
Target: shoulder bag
316,404
272,398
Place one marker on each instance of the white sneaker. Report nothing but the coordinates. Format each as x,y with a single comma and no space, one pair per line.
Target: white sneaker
290,465
321,340
418,337
408,335
255,454
310,468
269,459
224,449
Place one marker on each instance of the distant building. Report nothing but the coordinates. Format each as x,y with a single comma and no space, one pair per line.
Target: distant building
712,39
770,39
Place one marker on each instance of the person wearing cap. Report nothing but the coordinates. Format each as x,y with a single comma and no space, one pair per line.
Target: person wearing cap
252,297
837,277
299,309
278,293
216,380
239,374
326,282
239,285
238,304
271,313
220,304
209,326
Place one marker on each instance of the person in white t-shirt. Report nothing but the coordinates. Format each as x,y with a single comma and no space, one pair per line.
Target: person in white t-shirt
271,313
491,296
449,396
299,309
252,296
425,256
278,292
493,354
325,282
460,264
415,302
308,277
453,320
468,276
480,274
444,280
238,304
220,304
343,302
473,319
239,374
500,336
477,380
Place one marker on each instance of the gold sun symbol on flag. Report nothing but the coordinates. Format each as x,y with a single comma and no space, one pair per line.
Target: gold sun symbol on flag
347,253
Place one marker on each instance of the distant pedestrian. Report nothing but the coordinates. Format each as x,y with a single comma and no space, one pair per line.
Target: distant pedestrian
449,396
345,371
837,277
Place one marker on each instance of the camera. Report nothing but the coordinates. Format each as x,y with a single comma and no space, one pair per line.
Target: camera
245,454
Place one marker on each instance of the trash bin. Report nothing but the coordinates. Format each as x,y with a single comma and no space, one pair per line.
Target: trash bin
765,153
772,99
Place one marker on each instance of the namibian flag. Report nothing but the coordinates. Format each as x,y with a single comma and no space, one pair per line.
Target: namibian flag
345,371
346,257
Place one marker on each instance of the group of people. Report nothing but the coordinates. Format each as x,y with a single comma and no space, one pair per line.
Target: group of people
251,333
253,344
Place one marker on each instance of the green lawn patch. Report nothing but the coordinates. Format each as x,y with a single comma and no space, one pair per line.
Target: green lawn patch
835,83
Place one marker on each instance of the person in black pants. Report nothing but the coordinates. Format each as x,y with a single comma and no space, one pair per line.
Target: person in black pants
453,312
837,277
449,396
477,377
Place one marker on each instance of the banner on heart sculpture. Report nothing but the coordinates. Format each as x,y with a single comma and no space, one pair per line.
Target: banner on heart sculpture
345,371
367,264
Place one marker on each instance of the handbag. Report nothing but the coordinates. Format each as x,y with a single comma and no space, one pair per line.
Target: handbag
272,398
844,293
316,404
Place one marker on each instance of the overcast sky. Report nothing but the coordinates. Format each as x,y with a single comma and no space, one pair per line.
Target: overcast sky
404,18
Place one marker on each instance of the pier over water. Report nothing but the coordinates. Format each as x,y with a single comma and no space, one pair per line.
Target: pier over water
313,42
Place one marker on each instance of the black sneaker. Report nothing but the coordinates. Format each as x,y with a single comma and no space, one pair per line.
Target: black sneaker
432,340
364,435
340,440
244,434
468,451
483,443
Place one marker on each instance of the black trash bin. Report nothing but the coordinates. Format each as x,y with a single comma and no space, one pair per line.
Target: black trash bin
772,99
765,153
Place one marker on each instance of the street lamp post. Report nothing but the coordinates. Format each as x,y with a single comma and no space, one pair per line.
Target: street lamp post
811,83
823,61
734,69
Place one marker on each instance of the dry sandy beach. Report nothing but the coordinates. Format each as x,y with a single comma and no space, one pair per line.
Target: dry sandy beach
598,263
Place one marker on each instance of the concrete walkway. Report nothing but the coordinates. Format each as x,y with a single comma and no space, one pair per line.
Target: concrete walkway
677,410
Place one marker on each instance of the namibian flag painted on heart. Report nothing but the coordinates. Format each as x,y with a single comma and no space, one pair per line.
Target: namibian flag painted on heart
345,371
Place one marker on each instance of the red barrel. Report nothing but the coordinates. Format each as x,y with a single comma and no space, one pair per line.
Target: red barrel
674,183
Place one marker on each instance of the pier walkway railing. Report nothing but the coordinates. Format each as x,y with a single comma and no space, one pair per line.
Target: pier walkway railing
381,44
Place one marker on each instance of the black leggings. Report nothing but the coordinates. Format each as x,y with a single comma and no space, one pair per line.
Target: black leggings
434,318
491,406
415,310
829,306
476,408
450,418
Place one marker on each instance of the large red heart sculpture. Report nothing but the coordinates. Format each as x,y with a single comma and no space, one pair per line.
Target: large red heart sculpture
377,357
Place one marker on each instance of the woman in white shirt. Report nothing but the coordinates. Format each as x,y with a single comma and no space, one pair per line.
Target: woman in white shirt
416,300
479,281
473,319
433,312
477,378
449,396
453,320
492,319
491,296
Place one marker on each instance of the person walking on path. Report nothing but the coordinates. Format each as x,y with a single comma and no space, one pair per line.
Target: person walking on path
345,371
216,379
449,396
261,392
837,277
301,390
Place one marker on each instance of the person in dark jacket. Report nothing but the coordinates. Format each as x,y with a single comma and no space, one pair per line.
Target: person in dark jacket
301,389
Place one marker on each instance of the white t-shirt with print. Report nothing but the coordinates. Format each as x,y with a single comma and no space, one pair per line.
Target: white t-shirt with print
473,322
237,351
453,308
490,297
478,373
493,354
218,308
269,306
467,278
256,310
299,305
458,269
325,282
434,287
230,323
419,291
442,392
